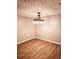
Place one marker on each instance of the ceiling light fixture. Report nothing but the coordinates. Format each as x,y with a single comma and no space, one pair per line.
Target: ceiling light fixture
38,20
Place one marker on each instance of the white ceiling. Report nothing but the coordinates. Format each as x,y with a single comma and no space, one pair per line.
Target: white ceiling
30,8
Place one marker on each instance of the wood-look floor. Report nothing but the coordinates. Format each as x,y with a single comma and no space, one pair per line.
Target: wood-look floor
38,49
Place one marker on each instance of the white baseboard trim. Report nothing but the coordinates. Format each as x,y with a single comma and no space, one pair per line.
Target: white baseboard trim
25,40
41,39
49,40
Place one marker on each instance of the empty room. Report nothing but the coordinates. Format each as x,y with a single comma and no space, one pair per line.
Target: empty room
38,29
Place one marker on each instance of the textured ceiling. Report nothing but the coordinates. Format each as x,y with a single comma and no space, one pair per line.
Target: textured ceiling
30,8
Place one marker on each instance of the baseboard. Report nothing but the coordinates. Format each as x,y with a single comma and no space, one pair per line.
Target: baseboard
49,40
41,39
25,40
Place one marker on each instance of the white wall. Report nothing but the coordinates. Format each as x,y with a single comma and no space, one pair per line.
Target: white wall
25,29
51,30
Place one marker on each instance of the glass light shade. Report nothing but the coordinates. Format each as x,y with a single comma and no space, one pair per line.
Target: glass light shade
38,22
41,22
